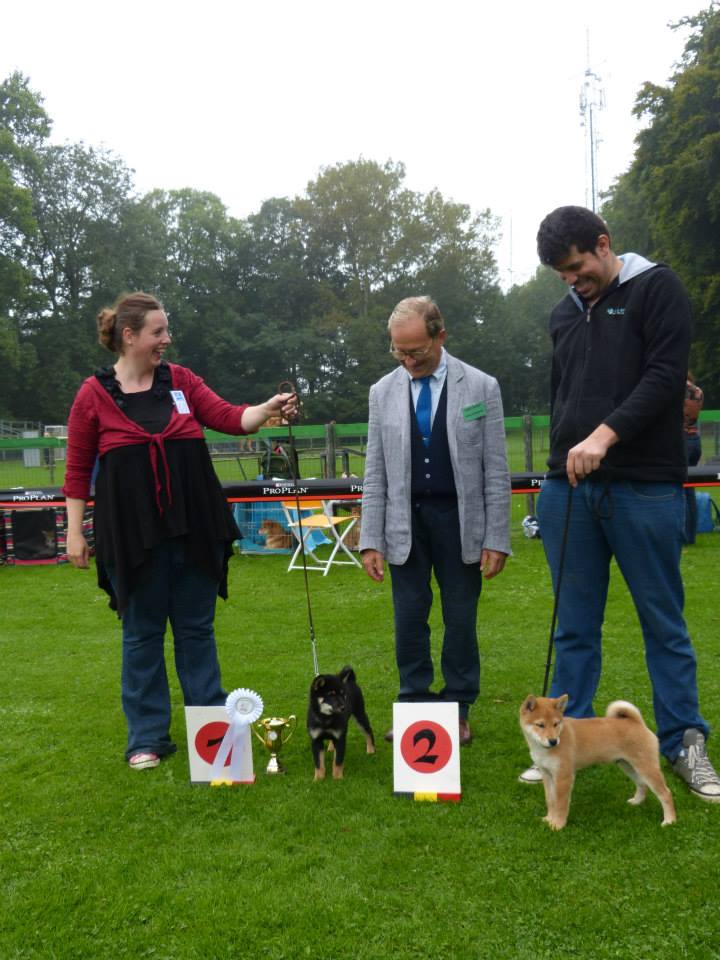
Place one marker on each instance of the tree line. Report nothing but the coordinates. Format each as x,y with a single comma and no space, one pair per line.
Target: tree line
302,289
667,205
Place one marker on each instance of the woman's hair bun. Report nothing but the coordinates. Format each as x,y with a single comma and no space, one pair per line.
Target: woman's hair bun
106,323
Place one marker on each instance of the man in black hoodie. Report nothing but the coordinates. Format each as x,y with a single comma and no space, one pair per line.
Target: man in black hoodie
621,339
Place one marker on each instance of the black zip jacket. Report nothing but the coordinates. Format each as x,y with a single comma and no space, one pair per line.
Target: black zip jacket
623,362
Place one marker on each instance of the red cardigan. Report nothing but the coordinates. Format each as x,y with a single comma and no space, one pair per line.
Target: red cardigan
96,424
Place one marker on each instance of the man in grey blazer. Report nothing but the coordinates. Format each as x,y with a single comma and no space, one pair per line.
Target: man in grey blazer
436,499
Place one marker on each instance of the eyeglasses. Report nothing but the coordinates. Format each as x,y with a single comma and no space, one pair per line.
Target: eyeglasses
418,354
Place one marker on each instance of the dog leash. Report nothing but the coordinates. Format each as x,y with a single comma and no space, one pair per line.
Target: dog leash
563,547
287,386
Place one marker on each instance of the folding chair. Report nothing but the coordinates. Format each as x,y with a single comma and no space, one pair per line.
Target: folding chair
321,520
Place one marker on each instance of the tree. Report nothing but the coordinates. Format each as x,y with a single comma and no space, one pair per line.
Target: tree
182,241
289,297
524,370
356,214
301,290
674,181
23,127
373,242
626,212
79,196
457,268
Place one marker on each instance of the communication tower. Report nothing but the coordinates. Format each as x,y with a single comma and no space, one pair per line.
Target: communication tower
592,101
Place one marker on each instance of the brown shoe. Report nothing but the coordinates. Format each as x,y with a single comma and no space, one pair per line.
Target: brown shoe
389,736
465,735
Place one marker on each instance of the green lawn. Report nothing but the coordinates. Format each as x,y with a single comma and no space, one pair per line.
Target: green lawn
101,862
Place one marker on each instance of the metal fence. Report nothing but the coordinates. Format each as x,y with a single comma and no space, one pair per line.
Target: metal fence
323,451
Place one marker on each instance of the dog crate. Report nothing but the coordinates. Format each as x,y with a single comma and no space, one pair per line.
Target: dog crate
264,525
264,528
37,535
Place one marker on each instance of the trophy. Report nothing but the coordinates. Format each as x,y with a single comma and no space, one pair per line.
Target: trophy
270,734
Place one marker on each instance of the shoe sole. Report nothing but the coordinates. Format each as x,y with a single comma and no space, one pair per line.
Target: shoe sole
705,796
144,765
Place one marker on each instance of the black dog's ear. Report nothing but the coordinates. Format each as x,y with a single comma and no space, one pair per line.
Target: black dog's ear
318,683
347,675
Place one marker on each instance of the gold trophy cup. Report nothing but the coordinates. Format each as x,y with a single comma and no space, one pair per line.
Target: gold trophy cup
270,734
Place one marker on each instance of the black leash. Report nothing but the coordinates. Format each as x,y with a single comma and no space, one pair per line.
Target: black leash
553,624
292,462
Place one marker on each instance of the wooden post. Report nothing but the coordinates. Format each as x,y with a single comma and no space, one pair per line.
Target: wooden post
527,441
330,466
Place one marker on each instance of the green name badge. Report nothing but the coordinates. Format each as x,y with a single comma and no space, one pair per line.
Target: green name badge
474,411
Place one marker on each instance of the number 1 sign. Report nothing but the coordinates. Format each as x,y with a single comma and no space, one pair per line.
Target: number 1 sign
426,750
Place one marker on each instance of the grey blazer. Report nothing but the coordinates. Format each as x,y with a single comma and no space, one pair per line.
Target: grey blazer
477,452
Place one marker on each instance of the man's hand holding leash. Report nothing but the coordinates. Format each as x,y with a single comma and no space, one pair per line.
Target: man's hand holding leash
585,457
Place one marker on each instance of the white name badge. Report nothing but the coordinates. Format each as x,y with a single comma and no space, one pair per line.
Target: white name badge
178,398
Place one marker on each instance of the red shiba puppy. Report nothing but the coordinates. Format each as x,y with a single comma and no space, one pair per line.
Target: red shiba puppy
561,745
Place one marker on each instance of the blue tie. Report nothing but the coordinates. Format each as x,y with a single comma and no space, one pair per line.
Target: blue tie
423,410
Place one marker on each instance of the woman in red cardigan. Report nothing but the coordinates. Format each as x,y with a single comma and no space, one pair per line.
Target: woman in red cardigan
163,530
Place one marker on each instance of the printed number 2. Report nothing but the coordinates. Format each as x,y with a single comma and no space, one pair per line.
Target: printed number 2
429,737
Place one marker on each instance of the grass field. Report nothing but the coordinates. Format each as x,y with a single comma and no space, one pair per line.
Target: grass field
101,862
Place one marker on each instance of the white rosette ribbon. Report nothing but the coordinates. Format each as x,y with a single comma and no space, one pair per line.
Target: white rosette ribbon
243,707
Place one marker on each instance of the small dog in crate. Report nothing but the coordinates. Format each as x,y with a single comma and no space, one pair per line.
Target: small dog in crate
276,536
334,698
352,540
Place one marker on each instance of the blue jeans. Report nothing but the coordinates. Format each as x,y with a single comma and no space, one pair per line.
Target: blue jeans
170,588
436,547
641,525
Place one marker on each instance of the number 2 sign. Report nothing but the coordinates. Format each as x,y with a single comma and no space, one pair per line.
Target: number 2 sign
426,754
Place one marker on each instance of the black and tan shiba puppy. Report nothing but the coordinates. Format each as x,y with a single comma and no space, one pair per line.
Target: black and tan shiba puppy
334,698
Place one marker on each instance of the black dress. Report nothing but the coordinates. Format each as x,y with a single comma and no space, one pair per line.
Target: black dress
127,520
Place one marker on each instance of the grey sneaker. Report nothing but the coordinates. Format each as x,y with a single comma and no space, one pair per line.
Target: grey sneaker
531,775
693,765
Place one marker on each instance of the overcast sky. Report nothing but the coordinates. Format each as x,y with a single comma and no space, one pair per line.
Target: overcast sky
250,100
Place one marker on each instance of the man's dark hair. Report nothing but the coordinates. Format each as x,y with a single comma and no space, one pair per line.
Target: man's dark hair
567,227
